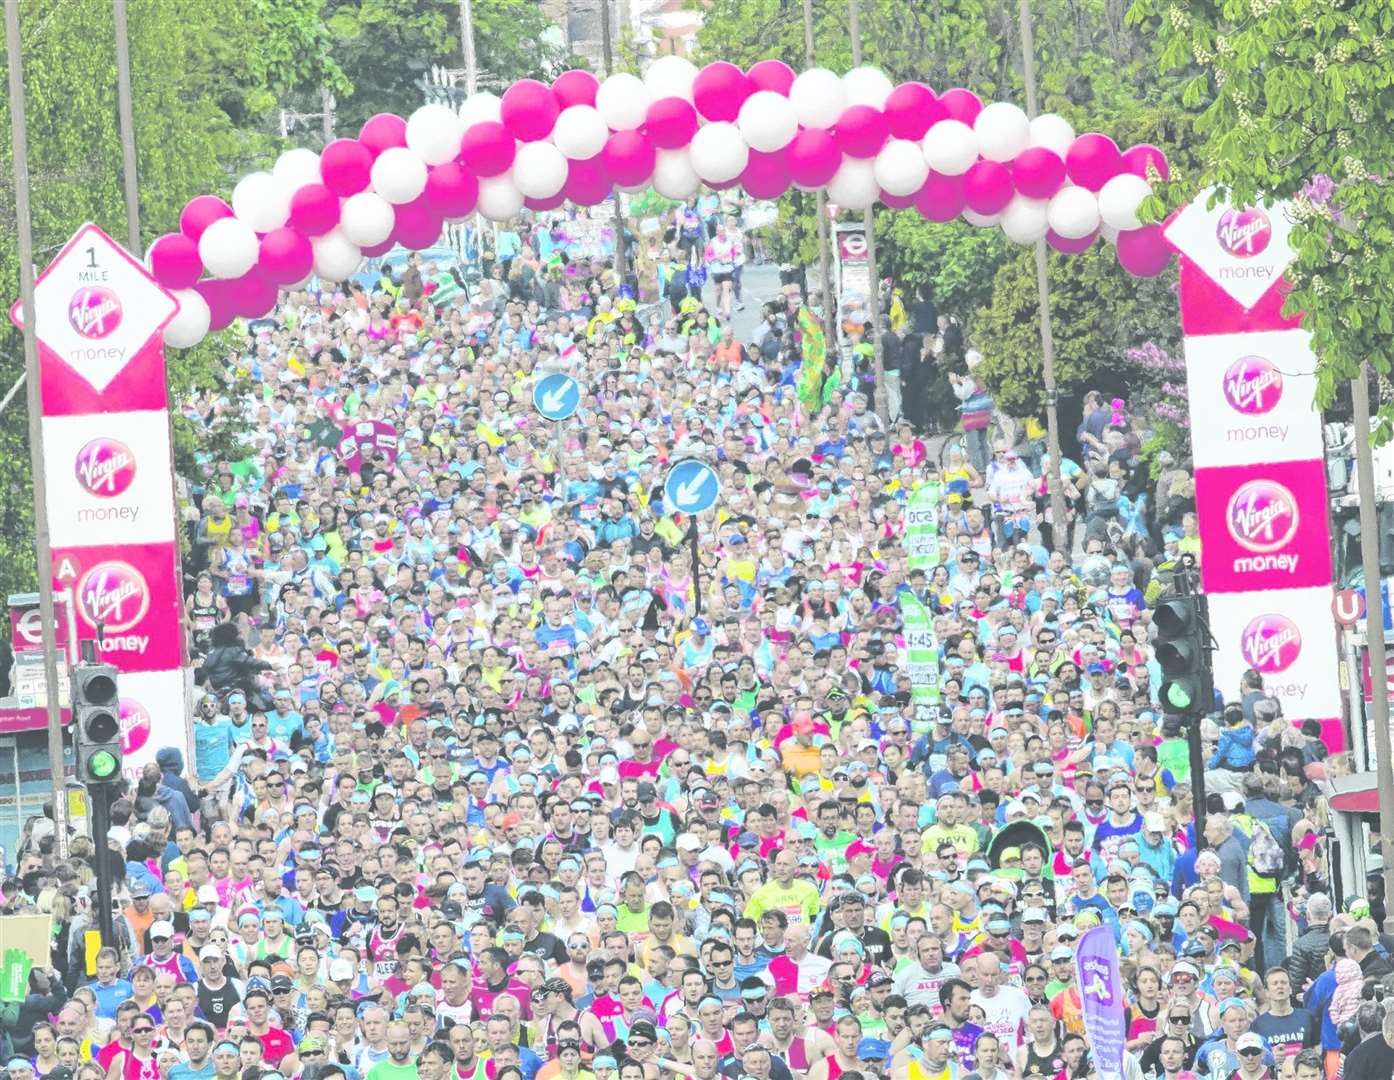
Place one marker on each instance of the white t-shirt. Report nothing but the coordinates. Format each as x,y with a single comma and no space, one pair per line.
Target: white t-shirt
1005,1014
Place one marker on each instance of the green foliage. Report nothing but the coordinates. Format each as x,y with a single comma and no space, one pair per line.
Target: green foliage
385,48
1098,313
1292,98
956,261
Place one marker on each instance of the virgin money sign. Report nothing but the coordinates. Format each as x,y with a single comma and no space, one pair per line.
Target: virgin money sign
108,478
1287,637
1243,250
152,716
1263,527
99,315
1252,398
130,592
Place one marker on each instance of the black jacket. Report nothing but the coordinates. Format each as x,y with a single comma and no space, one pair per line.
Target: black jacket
1308,959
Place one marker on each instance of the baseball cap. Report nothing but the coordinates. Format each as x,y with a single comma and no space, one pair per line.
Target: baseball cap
1061,952
161,929
139,888
1249,1041
340,968
210,952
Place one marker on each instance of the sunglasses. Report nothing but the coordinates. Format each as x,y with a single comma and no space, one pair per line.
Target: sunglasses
1180,1019
1251,1051
142,1031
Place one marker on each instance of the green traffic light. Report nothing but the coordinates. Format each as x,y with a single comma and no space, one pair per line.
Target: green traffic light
1177,697
102,765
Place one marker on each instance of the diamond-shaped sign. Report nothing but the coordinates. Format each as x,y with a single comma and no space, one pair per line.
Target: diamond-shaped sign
1244,252
96,307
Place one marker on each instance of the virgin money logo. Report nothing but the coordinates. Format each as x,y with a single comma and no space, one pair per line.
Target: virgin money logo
105,467
1244,233
1270,644
115,594
1253,385
94,312
1262,516
135,725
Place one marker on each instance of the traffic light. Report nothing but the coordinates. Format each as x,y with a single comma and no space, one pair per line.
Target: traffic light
96,723
1180,651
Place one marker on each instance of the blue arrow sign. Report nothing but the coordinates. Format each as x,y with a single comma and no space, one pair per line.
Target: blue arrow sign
557,396
691,486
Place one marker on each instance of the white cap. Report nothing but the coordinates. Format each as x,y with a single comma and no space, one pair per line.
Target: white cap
688,842
340,969
207,894
210,952
161,929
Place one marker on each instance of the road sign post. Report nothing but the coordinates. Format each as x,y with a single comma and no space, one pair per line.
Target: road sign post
691,487
556,397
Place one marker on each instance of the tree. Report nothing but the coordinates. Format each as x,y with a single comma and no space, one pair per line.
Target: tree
193,91
1296,100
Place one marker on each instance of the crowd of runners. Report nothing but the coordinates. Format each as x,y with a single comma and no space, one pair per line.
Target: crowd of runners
498,775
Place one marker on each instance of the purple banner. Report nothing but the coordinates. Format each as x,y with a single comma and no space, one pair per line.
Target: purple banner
1101,991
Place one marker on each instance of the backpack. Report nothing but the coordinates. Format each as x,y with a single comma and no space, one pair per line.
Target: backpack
1266,856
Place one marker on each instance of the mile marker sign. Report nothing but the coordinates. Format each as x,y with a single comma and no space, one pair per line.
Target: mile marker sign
557,396
691,486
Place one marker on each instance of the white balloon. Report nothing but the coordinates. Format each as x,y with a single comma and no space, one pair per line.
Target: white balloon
718,152
296,285
950,147
1053,132
768,121
1119,199
1109,233
336,256
1024,221
982,221
580,132
901,168
673,174
670,76
818,97
261,201
296,168
1003,131
1073,212
433,134
228,248
867,86
854,184
499,198
623,100
399,176
366,219
480,107
539,170
190,323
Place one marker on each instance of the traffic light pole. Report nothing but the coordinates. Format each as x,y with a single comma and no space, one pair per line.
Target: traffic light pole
1185,586
99,808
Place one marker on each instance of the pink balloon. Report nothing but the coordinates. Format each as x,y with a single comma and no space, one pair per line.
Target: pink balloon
911,110
862,131
960,104
529,110
418,224
346,166
174,261
1066,246
628,157
720,90
898,202
314,209
1137,158
812,157
1038,172
382,132
587,182
383,248
545,204
1093,160
218,294
254,294
1142,252
286,256
670,123
773,75
987,187
941,198
766,176
451,190
199,213
575,88
487,148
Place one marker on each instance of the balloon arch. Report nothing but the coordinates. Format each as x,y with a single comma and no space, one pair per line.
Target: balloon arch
856,136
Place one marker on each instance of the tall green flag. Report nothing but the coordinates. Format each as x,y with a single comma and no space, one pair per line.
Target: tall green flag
922,551
922,527
813,343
